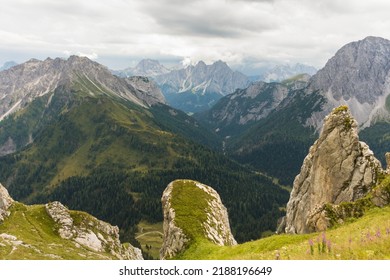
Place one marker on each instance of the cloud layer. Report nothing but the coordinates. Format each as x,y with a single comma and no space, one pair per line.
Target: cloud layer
245,33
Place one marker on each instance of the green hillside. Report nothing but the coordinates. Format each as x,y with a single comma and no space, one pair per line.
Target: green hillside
377,137
30,233
278,144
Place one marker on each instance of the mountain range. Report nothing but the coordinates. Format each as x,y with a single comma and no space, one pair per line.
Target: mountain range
196,88
72,131
282,72
274,117
146,68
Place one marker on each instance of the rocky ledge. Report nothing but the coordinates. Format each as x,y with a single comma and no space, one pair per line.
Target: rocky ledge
90,232
83,235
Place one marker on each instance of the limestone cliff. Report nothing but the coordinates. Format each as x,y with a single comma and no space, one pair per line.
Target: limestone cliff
339,168
52,231
193,212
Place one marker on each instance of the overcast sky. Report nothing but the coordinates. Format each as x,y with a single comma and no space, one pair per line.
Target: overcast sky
244,33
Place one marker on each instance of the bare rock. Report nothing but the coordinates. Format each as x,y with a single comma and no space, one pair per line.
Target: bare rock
5,203
90,232
387,155
146,89
339,168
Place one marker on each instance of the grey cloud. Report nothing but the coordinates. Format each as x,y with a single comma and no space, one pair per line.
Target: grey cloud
208,19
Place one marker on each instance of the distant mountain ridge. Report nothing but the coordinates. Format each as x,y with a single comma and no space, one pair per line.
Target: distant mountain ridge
8,65
146,67
21,84
279,73
196,88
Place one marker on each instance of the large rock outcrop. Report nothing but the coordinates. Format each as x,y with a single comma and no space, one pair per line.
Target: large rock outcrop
339,168
90,232
43,230
5,203
192,212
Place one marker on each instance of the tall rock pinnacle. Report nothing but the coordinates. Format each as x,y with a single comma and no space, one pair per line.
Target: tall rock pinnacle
339,168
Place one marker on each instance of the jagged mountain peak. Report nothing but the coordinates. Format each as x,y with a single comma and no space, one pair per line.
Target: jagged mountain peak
149,68
201,63
357,75
146,67
359,69
197,88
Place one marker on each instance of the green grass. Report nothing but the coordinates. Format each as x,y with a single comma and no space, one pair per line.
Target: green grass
37,237
364,238
150,236
191,205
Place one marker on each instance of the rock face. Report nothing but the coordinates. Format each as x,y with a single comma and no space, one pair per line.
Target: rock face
358,75
5,203
180,230
146,89
97,235
245,106
339,168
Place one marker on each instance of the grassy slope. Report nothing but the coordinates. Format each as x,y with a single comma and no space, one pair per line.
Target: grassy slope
33,226
365,238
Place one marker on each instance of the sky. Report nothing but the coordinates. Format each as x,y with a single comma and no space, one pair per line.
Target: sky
247,34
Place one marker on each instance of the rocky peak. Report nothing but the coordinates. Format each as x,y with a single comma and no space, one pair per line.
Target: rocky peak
5,202
339,168
146,89
149,68
202,78
192,212
201,65
357,75
23,83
